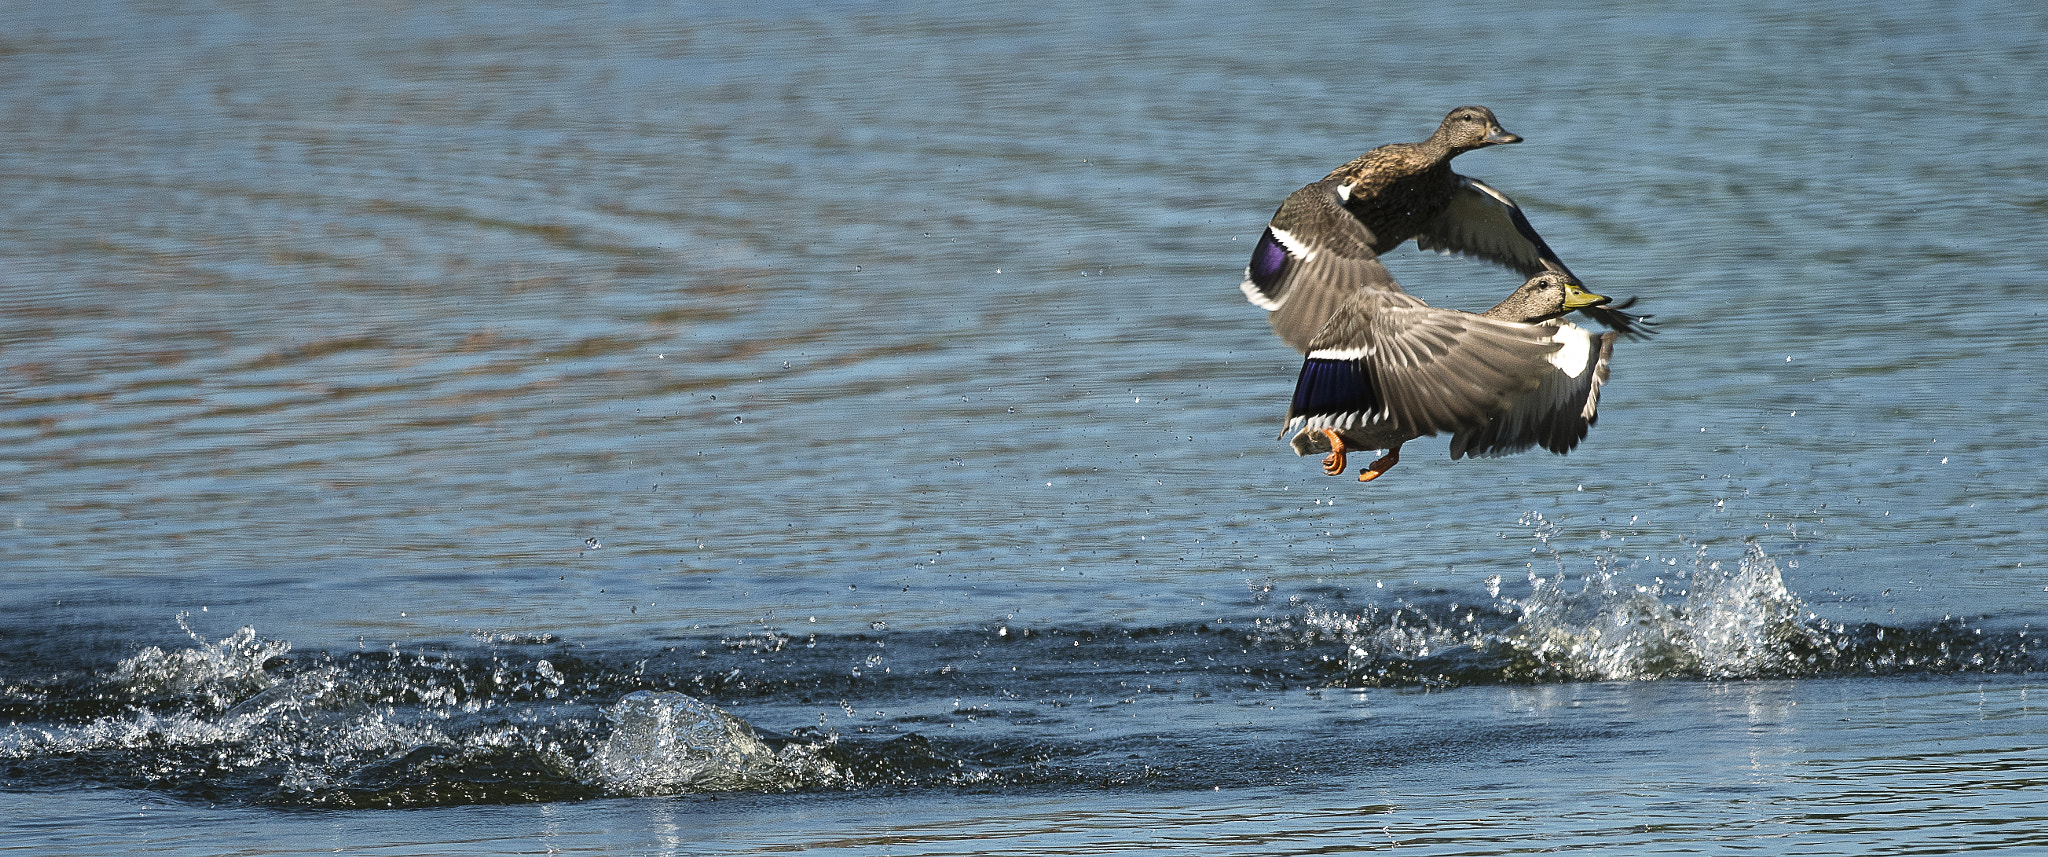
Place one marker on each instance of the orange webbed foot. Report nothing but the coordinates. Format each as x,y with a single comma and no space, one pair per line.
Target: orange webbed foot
1333,463
1384,464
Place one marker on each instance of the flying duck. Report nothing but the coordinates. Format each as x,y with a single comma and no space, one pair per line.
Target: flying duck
1392,194
1390,368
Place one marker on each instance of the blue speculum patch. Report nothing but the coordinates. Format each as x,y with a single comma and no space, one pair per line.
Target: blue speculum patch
1268,260
1332,386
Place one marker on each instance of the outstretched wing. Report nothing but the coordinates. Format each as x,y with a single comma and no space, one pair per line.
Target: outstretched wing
1484,223
1312,257
1387,359
1557,412
1487,224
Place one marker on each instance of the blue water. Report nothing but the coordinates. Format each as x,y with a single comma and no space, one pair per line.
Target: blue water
389,392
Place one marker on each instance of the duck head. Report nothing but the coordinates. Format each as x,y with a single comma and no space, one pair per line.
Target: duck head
1545,296
1472,127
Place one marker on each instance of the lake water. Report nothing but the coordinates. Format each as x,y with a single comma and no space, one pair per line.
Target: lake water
645,428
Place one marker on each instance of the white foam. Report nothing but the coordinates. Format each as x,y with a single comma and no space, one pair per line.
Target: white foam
672,743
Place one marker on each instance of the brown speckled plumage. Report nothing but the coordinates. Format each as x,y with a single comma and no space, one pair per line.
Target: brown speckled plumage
1396,190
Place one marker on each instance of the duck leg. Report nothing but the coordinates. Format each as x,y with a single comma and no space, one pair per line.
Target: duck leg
1333,463
1384,464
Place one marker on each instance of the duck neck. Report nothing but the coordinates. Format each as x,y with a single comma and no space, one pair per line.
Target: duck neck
1439,148
1517,308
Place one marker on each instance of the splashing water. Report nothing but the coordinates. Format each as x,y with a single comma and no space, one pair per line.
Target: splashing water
378,730
243,719
1739,623
218,674
670,743
1715,620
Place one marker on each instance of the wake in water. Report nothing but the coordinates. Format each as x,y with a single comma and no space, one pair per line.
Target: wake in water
245,719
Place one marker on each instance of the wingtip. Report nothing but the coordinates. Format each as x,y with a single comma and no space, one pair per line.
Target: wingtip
1639,327
1629,325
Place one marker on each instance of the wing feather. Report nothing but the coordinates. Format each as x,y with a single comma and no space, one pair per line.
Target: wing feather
1485,223
1311,258
1554,414
1389,360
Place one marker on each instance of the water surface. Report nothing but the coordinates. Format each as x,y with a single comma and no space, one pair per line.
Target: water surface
389,391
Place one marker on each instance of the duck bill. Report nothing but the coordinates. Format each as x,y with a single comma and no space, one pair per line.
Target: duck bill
1582,299
1499,136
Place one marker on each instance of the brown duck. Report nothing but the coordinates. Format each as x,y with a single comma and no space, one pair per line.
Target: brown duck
1396,193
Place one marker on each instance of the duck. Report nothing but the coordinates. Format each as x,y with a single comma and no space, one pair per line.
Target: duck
1389,368
1390,195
